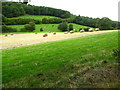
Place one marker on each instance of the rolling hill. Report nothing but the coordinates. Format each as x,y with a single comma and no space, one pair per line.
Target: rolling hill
36,17
49,27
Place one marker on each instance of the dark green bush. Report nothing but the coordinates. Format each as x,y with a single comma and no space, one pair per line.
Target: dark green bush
20,21
54,20
63,26
41,29
45,21
71,27
28,27
32,26
80,29
23,30
6,29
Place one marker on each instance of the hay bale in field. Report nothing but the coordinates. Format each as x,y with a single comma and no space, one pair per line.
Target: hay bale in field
36,33
71,32
54,33
91,30
45,35
97,29
11,34
82,30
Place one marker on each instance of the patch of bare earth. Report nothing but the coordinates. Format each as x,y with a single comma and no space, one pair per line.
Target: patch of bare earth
19,40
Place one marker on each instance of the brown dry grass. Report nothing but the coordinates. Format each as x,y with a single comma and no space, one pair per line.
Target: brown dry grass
18,40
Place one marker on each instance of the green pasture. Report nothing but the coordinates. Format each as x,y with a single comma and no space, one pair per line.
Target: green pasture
36,17
48,27
58,64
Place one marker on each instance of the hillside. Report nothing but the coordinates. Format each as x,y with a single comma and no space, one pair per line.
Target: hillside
14,9
36,17
15,14
49,27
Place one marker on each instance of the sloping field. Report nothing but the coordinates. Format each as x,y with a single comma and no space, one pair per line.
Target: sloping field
36,17
48,27
75,63
18,40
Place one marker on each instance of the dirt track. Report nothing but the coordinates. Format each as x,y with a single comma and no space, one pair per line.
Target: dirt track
18,40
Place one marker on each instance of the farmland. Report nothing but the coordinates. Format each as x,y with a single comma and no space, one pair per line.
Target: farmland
15,40
62,63
36,17
48,27
46,47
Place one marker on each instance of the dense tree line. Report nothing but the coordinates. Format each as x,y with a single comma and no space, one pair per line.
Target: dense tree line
102,23
14,9
6,29
22,21
19,21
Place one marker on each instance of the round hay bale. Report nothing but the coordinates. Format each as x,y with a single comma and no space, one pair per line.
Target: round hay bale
45,35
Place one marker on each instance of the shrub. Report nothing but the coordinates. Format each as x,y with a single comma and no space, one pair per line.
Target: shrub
41,29
81,29
70,27
54,20
45,21
23,30
6,29
63,26
32,26
28,27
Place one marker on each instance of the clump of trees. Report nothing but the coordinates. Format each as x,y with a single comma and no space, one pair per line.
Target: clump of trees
28,27
63,26
102,23
19,21
70,27
22,21
45,21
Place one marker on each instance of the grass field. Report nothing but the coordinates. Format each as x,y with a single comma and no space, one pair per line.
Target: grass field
48,27
60,63
36,17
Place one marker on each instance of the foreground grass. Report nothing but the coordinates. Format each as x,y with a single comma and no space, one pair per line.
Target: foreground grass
56,64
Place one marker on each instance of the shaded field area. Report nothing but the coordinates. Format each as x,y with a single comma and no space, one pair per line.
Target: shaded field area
19,40
75,63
